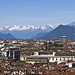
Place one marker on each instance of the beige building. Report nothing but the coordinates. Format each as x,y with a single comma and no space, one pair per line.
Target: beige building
46,58
61,58
63,40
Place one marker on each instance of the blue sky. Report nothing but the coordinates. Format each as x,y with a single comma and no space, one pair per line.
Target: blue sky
36,12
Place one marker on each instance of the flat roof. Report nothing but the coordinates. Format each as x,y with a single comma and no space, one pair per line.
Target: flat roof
48,56
13,47
36,57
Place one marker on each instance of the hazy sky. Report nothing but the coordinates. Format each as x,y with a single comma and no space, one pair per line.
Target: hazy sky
36,12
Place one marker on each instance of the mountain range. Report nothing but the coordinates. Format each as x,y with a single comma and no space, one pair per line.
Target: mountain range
27,31
62,30
38,32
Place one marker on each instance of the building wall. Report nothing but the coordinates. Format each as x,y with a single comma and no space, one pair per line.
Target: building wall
12,53
63,39
54,59
50,59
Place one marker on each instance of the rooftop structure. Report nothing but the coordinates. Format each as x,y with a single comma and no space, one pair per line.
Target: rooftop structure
11,52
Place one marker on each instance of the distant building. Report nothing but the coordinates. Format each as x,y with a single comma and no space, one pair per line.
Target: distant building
36,57
36,60
11,52
63,40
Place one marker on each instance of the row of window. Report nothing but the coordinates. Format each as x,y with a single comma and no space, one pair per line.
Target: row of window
64,59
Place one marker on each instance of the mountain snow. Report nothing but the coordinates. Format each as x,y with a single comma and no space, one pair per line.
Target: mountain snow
72,24
26,31
1,29
47,26
26,27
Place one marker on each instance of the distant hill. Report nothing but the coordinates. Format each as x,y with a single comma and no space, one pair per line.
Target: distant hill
39,35
61,30
6,36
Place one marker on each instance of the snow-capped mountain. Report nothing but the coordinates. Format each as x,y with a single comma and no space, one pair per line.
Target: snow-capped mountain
72,24
27,27
20,28
26,31
47,26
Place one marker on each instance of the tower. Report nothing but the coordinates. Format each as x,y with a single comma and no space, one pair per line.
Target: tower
63,40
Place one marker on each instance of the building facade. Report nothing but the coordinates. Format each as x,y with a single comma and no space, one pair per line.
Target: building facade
11,52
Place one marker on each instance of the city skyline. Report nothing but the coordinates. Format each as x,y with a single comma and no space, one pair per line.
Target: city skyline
37,37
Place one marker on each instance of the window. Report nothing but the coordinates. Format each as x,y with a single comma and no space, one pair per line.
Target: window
56,58
60,59
52,58
64,59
